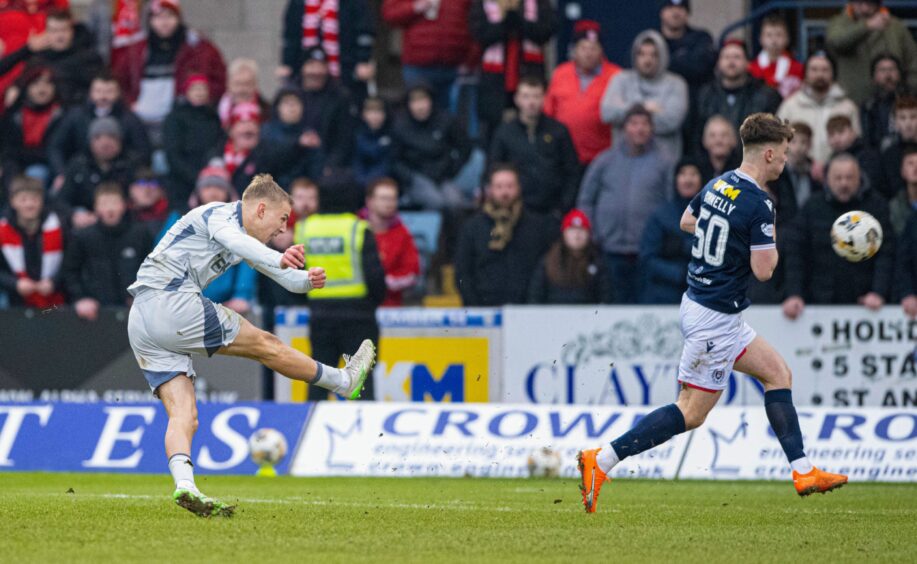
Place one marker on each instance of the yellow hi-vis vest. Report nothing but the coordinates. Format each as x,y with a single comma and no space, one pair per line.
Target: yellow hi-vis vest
335,243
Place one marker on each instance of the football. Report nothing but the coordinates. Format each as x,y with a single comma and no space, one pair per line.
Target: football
267,446
856,236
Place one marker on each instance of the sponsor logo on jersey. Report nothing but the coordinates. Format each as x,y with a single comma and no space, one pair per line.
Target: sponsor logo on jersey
767,229
726,189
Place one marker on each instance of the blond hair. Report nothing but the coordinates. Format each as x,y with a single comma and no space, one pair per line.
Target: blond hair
263,187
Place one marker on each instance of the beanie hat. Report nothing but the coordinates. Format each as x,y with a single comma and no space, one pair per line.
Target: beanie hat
576,218
105,126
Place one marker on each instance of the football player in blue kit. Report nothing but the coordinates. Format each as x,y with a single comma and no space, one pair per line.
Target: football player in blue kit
732,220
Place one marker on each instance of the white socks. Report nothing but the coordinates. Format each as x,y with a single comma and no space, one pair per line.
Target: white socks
802,465
607,458
334,379
182,472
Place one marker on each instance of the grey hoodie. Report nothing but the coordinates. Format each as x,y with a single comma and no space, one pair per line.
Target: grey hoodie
666,89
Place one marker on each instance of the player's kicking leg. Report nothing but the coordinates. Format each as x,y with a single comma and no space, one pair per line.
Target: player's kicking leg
763,362
270,351
177,396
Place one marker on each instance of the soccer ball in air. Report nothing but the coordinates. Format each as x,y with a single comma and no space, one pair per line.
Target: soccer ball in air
267,447
856,236
544,463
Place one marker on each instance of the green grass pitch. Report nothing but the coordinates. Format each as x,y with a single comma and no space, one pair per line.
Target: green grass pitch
132,518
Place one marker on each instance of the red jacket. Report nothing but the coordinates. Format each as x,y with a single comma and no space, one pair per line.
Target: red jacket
579,109
196,55
443,41
400,262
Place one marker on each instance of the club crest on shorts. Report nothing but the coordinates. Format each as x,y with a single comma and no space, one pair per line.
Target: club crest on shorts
718,375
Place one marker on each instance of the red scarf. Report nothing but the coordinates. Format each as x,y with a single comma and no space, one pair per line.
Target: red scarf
505,59
320,27
233,158
52,255
126,26
35,125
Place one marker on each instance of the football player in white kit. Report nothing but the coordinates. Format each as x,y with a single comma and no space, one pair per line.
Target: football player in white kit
170,319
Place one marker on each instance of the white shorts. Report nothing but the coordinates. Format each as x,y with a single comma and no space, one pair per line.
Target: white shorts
713,342
166,328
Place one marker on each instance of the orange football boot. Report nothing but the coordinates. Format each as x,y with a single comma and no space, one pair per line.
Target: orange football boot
817,481
592,478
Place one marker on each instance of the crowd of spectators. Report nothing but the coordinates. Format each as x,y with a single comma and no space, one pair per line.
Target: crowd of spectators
564,187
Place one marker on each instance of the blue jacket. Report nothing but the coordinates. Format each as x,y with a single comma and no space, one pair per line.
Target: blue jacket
665,251
372,155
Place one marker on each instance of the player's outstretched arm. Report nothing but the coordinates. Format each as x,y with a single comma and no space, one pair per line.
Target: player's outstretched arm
295,280
253,251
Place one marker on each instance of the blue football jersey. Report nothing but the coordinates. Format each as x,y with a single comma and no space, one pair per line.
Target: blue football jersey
734,217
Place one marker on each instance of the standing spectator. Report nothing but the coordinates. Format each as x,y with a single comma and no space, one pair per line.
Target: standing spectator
817,101
26,129
326,116
148,203
103,259
105,162
906,275
241,88
660,92
430,150
344,30
66,49
905,132
397,251
541,150
691,52
153,71
499,247
877,112
572,271
620,190
814,272
512,34
116,25
190,134
576,91
733,94
436,41
720,149
860,33
665,250
904,204
373,146
775,64
72,136
285,128
842,138
798,170
32,244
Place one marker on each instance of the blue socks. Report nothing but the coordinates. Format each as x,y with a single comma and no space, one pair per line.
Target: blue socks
654,429
783,419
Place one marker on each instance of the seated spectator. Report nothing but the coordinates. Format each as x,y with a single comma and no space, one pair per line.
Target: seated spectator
877,112
572,271
842,138
26,129
691,52
304,193
905,132
665,250
720,150
191,133
815,274
148,203
819,99
775,64
906,274
373,147
285,128
72,136
662,93
18,21
326,117
799,168
435,42
102,260
152,72
32,242
512,34
430,149
105,163
541,150
397,251
65,48
214,182
499,247
858,34
576,91
904,204
620,190
344,28
241,87
733,94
